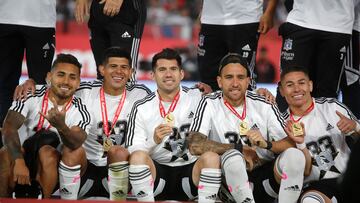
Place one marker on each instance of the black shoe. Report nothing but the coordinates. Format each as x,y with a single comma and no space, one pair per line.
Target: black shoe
28,191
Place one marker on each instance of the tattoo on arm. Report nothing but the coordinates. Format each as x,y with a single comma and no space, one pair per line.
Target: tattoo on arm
12,123
72,137
199,144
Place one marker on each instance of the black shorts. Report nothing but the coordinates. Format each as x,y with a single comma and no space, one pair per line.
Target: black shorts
174,182
94,182
329,187
33,144
322,52
215,41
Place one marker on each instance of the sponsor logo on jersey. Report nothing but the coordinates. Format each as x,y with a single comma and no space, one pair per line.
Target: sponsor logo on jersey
191,115
329,127
246,48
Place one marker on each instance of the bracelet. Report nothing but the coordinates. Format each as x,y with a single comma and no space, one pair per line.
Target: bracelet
269,145
301,146
238,146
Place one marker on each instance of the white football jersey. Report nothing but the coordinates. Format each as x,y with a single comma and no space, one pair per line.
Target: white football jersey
231,12
35,13
324,140
76,115
90,93
145,117
214,119
326,15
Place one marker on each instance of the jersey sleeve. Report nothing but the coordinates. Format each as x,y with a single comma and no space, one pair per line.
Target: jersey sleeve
275,131
202,119
136,138
82,116
24,107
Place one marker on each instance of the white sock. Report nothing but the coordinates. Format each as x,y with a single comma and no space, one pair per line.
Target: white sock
312,197
209,184
69,178
142,183
290,165
234,169
118,180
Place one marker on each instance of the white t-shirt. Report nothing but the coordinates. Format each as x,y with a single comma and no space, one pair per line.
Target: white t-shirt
76,115
145,117
214,119
326,15
90,93
231,12
324,140
35,13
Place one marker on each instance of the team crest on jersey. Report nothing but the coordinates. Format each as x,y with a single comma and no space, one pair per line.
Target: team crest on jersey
288,44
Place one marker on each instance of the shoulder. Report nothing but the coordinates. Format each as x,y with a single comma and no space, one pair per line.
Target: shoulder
138,88
89,84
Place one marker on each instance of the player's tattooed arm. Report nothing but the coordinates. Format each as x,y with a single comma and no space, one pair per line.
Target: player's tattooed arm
12,123
199,144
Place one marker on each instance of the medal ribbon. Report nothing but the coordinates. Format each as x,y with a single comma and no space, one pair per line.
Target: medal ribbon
232,109
172,106
44,107
104,116
310,108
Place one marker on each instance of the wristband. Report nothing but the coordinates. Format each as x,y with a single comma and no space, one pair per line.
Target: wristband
238,146
301,146
269,145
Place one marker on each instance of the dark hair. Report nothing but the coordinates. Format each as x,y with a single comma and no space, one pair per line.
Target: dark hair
116,52
294,68
234,58
66,58
166,53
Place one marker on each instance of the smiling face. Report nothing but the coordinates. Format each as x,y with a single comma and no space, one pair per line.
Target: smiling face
116,73
167,75
64,79
233,81
296,87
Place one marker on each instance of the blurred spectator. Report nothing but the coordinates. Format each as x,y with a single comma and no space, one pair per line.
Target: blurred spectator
264,69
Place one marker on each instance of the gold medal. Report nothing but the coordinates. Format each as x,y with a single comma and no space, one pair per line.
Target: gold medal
170,119
107,144
243,128
297,129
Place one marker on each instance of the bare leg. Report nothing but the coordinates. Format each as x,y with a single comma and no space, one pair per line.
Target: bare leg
47,174
5,172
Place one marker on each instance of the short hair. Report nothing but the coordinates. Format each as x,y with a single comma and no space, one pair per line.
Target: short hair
116,52
234,58
66,58
294,68
166,53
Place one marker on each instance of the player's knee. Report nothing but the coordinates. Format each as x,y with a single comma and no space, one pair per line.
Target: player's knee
72,157
210,160
48,156
293,159
312,197
138,157
119,153
232,160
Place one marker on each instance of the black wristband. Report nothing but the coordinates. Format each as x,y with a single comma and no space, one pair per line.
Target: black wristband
238,146
269,145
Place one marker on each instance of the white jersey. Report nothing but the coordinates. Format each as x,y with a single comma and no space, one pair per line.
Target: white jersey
324,140
90,93
326,15
231,12
35,13
214,119
145,117
76,115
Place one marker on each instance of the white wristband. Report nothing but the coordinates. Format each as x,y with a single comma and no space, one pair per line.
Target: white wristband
301,146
